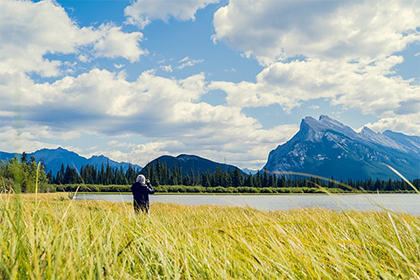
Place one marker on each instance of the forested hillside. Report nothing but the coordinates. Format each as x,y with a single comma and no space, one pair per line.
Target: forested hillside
161,174
26,175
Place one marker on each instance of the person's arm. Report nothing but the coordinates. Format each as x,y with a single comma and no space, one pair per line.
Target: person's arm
150,189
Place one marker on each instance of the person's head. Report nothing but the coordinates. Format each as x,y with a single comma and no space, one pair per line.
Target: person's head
141,179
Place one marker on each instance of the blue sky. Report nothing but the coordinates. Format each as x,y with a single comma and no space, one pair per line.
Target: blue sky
225,80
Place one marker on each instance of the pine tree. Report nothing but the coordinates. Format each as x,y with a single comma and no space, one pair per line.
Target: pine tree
265,178
24,158
206,180
237,178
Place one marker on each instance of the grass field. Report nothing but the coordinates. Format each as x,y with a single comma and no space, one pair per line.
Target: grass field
48,236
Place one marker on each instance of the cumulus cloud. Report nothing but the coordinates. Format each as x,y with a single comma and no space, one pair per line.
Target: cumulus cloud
247,146
29,31
100,94
399,123
367,88
166,112
115,43
26,139
342,51
142,12
275,30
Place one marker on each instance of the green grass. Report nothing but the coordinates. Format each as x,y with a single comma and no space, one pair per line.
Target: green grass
48,236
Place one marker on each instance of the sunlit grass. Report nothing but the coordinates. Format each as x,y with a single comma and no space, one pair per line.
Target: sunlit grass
49,236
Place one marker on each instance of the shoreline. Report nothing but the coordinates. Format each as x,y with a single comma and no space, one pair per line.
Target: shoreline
209,193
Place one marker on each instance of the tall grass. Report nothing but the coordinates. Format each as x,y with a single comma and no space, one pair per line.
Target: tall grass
49,236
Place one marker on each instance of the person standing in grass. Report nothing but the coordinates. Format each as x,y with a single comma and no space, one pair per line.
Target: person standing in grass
141,190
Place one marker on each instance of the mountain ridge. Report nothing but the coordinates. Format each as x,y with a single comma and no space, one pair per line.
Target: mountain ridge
188,162
54,158
326,147
323,147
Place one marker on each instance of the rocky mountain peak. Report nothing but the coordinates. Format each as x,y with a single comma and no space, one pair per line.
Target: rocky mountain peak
367,131
326,147
313,130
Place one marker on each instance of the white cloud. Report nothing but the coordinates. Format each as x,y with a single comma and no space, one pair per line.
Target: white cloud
366,88
83,58
166,68
342,51
185,59
244,147
275,30
101,96
118,66
166,112
27,138
142,12
187,62
333,50
400,123
115,43
29,31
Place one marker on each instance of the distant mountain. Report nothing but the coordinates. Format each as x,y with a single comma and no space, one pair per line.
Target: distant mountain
54,158
323,147
250,171
188,162
8,156
326,147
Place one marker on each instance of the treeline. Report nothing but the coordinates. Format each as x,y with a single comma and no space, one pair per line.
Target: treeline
189,189
89,174
22,175
162,175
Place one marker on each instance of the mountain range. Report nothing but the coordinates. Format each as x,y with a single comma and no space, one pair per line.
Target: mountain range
323,147
54,158
328,148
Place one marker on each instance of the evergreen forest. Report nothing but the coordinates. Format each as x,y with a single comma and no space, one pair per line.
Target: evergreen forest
162,175
26,175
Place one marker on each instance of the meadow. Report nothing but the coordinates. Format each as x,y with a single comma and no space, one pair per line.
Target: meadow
49,236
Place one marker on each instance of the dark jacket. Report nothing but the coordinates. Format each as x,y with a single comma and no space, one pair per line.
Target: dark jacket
141,196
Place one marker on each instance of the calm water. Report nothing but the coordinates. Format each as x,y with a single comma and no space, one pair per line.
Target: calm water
409,203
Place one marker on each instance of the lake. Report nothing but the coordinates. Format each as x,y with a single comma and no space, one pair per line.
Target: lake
409,203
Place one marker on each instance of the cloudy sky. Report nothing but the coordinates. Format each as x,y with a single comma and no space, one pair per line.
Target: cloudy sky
227,80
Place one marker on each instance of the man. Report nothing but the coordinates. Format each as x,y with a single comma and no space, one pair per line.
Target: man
141,190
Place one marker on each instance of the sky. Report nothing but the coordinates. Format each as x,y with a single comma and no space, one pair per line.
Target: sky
226,80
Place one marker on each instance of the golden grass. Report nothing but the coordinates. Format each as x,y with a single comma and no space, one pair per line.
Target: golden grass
49,236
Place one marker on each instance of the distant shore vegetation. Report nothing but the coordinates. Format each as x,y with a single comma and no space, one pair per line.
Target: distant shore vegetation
25,175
